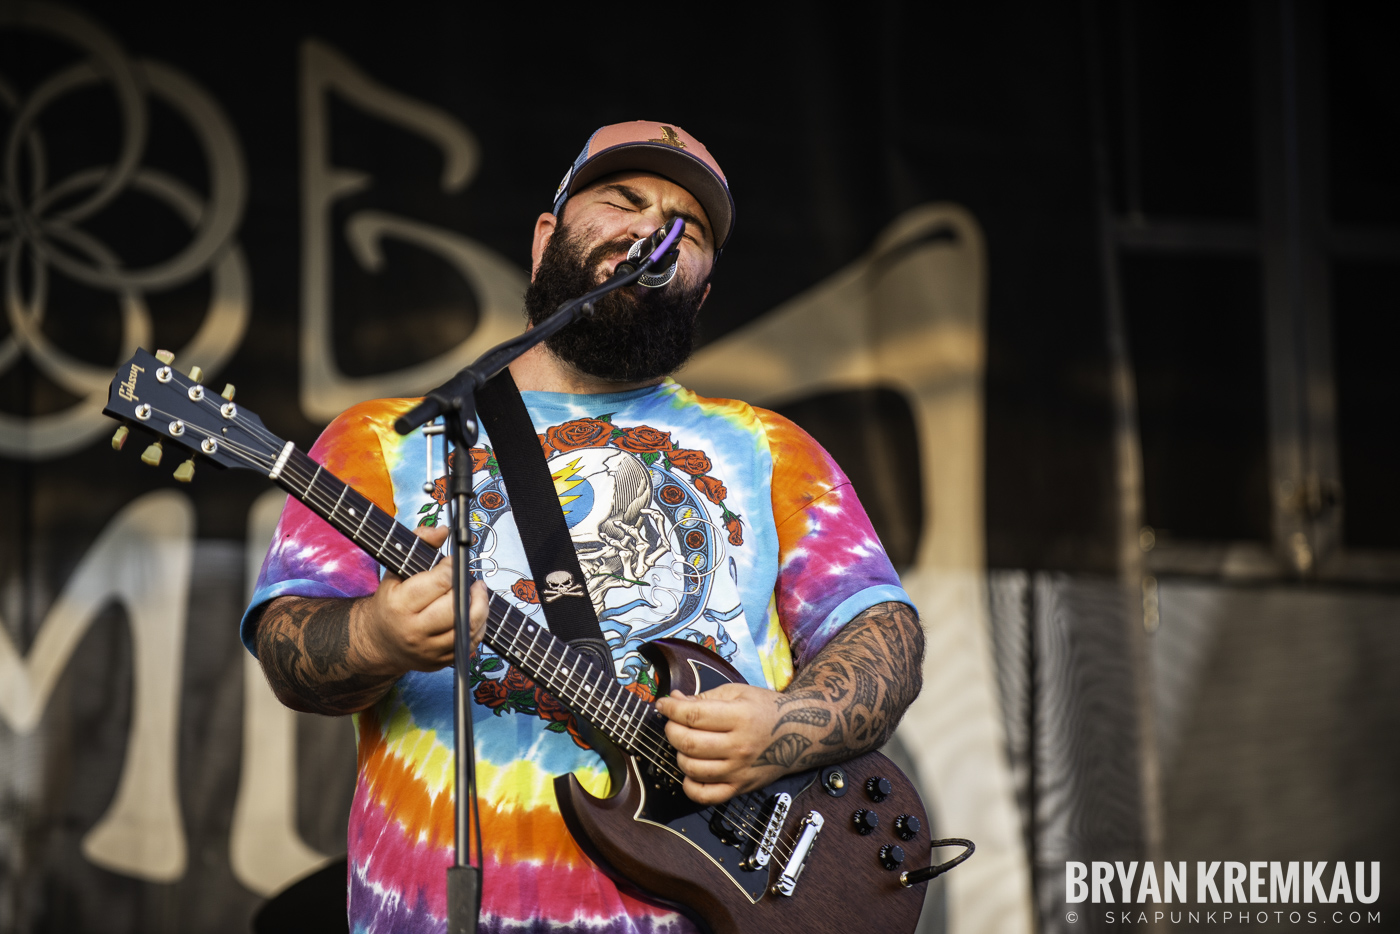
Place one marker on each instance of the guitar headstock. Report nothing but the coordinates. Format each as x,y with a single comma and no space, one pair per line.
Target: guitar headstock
149,394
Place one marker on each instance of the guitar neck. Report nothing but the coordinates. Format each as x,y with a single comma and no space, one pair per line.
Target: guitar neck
560,669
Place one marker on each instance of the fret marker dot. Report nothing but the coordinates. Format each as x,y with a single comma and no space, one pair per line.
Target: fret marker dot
398,546
352,511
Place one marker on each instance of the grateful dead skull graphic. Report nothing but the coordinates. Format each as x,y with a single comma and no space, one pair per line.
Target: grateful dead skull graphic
653,535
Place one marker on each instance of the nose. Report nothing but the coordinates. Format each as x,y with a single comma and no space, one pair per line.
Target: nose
644,223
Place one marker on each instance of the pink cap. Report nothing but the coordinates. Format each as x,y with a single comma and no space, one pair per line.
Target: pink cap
662,148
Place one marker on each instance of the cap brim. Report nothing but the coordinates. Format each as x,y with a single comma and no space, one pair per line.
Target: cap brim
690,173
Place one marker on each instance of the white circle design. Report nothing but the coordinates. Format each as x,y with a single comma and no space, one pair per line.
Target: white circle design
41,232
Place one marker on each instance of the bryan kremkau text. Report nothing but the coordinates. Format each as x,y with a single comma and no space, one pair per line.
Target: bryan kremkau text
1227,882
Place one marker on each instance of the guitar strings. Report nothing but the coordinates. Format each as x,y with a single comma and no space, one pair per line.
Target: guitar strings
645,740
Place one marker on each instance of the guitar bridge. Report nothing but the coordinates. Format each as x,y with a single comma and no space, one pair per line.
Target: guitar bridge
763,850
811,826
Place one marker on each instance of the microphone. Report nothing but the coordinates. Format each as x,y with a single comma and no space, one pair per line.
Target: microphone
661,269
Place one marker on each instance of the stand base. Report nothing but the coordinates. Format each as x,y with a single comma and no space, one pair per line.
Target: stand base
463,899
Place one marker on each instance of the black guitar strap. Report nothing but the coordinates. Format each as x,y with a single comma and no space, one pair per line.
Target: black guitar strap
559,581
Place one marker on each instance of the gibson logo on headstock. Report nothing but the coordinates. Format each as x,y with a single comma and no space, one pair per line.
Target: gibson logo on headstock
127,390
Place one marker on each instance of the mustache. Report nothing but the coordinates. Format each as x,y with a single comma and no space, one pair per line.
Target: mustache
603,251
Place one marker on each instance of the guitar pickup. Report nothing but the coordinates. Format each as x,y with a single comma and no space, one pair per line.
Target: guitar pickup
763,851
811,826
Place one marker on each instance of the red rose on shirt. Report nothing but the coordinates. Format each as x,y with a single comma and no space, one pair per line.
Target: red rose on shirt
490,693
712,488
736,530
692,462
579,433
643,440
517,680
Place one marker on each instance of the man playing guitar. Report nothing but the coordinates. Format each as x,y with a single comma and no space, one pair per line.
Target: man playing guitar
702,519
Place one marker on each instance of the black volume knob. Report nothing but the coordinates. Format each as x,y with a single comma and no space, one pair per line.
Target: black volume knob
891,855
865,820
878,788
907,826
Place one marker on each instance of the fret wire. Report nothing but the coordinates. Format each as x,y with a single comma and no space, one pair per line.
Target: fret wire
363,519
338,499
411,546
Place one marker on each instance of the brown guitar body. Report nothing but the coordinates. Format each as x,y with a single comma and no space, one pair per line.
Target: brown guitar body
650,837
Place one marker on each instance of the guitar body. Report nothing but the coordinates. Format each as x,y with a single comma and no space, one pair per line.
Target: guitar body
650,837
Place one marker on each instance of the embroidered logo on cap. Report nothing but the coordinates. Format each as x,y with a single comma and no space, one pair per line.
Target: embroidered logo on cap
669,137
564,183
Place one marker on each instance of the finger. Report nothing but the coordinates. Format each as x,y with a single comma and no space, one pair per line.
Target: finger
709,793
701,744
417,592
701,713
434,535
480,602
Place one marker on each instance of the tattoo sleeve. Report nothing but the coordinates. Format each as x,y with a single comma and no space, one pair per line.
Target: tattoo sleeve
304,648
849,698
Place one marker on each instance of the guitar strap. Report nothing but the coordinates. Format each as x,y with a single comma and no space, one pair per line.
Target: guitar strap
559,581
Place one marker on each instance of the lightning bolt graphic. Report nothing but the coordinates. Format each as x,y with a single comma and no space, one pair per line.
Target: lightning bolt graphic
564,481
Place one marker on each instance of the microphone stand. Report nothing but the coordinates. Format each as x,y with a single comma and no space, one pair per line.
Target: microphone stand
455,401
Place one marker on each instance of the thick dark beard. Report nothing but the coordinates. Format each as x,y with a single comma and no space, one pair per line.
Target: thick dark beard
630,338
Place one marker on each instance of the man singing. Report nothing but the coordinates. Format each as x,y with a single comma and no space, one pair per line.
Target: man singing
694,518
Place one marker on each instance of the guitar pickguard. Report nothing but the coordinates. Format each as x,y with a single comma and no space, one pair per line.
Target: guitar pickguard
717,831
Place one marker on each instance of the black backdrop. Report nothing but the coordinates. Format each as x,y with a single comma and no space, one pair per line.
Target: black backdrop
829,122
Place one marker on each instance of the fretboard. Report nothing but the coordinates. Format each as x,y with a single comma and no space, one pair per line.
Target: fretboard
563,671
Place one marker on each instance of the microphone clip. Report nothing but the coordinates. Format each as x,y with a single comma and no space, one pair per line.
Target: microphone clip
660,270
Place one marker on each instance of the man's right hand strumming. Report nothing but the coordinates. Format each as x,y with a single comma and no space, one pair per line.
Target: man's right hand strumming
336,655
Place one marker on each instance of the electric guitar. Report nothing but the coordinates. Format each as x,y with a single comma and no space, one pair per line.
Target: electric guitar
809,853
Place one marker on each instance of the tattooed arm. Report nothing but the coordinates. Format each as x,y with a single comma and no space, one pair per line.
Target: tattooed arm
844,702
339,655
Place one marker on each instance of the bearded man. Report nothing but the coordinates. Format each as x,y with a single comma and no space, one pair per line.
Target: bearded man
703,519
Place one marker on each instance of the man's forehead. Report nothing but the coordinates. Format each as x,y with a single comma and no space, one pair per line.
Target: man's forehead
650,188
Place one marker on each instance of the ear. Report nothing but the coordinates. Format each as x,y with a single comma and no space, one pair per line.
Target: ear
545,225
703,295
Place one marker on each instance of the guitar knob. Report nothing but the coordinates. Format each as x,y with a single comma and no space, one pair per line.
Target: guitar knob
196,374
151,456
907,826
165,356
228,392
865,820
119,438
891,855
878,788
185,472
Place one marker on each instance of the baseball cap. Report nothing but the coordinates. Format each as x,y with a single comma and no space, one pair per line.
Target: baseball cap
662,148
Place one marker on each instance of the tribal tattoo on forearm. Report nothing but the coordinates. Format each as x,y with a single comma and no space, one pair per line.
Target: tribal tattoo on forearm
304,648
849,698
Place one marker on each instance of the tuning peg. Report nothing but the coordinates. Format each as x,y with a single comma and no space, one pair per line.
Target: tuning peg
119,438
185,472
196,374
151,456
165,356
228,392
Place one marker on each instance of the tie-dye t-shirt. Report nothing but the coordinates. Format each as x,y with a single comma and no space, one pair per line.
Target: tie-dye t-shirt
705,519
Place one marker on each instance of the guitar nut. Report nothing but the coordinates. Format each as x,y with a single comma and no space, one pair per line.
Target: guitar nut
228,410
196,392
177,428
209,446
143,411
164,374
